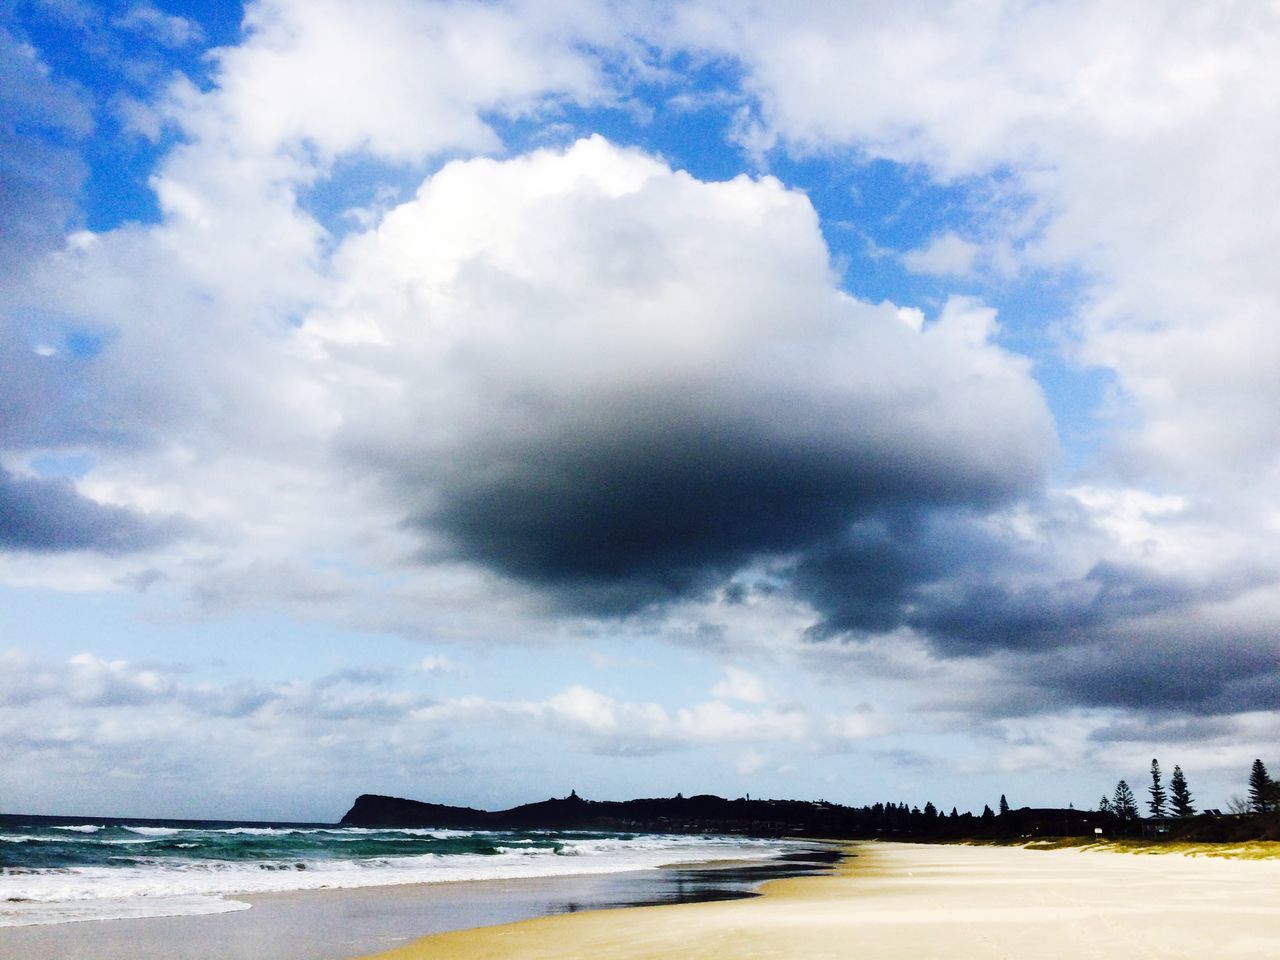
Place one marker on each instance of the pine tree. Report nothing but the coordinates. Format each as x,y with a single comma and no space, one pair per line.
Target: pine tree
1158,796
1126,806
1104,805
1004,805
1259,788
1179,795
987,813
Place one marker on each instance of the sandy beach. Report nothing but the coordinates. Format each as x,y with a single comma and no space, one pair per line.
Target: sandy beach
913,902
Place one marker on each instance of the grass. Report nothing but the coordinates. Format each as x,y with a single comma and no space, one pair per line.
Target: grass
1246,850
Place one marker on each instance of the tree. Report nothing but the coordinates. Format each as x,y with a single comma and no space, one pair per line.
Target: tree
1104,805
1259,788
1124,803
987,813
1238,805
1158,796
1004,805
1179,795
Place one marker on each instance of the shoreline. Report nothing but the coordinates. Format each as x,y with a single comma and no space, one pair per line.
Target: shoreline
902,901
333,924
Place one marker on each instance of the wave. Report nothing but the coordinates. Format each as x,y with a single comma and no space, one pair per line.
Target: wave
181,877
58,876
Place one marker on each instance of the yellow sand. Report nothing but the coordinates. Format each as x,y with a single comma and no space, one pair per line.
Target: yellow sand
915,902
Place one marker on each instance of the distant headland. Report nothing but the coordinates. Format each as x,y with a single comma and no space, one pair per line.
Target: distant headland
707,814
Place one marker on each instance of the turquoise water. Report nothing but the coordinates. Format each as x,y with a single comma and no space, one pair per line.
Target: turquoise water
56,872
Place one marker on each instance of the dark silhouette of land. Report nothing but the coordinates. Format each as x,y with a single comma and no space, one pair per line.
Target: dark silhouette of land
706,814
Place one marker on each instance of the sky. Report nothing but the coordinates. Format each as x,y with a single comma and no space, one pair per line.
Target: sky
474,401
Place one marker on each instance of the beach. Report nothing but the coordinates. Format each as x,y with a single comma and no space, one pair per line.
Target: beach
204,891
891,901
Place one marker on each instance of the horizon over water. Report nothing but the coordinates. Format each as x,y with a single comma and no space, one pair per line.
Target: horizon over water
58,870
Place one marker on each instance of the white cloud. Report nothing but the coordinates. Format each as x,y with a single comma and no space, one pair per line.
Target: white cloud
170,30
162,730
1139,142
947,254
397,79
741,685
438,665
302,396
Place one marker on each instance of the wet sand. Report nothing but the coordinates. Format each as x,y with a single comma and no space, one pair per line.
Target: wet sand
336,924
916,902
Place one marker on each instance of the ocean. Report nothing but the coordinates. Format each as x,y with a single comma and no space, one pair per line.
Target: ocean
58,871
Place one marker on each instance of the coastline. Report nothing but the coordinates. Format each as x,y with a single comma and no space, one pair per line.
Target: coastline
899,901
332,924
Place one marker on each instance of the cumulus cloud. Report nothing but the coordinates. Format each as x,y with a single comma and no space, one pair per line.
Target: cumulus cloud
946,254
739,684
1140,161
45,515
203,743
580,380
1139,165
607,725
621,384
397,79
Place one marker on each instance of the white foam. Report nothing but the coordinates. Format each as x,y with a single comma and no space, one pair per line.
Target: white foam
26,915
188,886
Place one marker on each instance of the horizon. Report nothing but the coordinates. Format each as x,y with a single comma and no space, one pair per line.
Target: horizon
460,399
943,809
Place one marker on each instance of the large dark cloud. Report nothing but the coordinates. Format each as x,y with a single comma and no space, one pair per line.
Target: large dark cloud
645,508
620,385
1167,668
49,515
1119,635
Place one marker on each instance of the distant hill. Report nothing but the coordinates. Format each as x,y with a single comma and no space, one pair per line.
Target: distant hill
711,814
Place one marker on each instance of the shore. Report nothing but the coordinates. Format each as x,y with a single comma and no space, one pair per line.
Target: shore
892,901
335,924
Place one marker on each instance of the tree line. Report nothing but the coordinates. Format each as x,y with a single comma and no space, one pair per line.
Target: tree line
1177,801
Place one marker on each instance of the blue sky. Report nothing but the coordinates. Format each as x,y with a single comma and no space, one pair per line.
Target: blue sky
477,401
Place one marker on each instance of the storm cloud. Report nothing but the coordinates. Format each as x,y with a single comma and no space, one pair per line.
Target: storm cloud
48,515
630,384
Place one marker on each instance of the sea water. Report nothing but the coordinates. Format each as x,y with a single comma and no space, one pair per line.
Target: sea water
57,872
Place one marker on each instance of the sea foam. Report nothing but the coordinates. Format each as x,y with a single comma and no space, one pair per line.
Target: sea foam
49,875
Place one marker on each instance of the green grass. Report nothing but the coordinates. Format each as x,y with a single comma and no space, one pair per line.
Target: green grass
1246,850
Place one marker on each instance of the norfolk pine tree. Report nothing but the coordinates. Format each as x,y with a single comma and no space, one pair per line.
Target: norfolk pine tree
1259,788
1158,796
1179,795
1124,803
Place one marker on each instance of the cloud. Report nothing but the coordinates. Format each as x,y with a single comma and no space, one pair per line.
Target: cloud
207,745
741,685
1138,163
170,30
580,381
633,382
42,121
49,515
606,725
396,79
946,254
